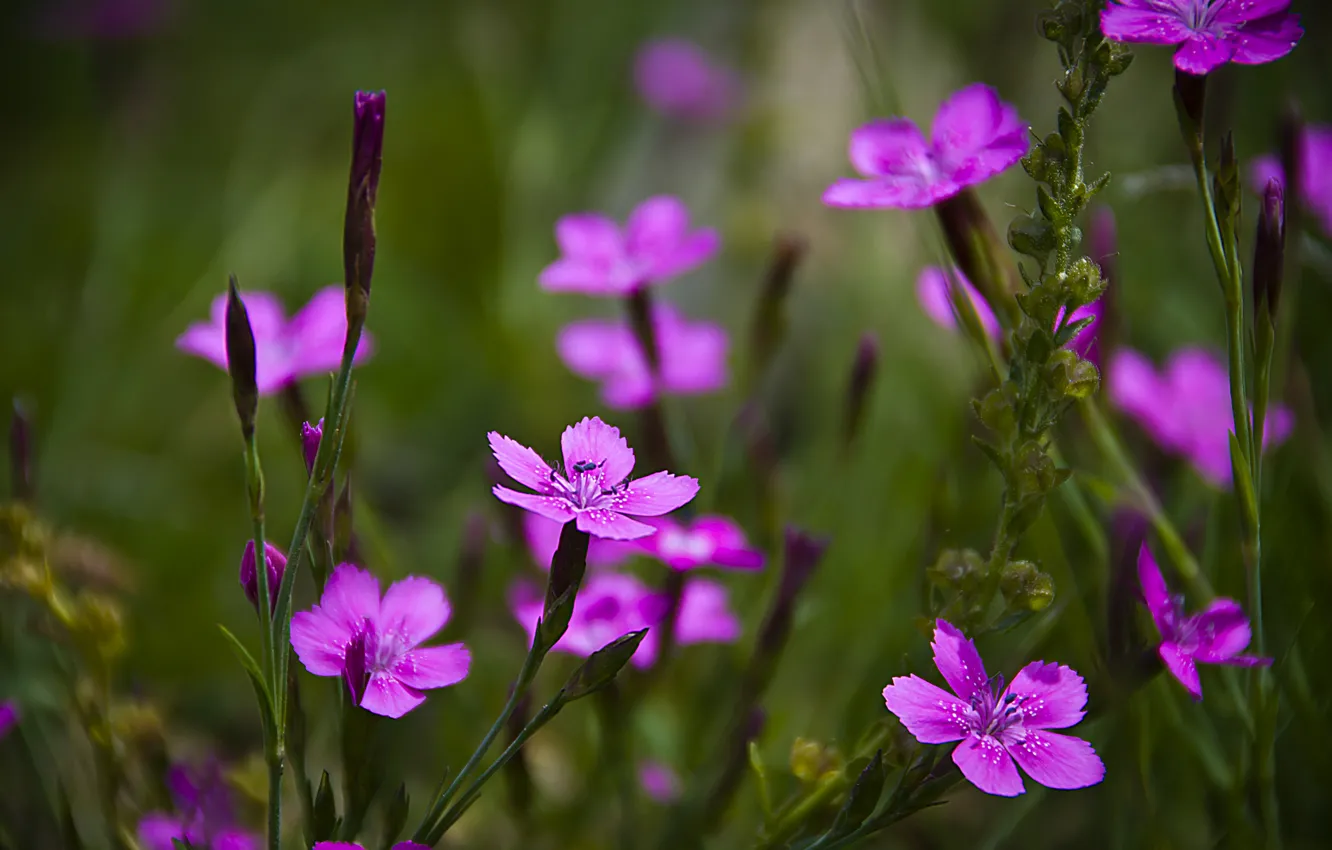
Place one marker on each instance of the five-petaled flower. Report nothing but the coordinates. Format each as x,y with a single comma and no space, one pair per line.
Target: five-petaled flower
996,725
1210,32
1314,169
706,541
285,351
1217,635
974,137
678,79
691,357
204,815
594,487
599,258
374,643
1186,407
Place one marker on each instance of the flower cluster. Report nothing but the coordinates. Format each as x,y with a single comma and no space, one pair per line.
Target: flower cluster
204,815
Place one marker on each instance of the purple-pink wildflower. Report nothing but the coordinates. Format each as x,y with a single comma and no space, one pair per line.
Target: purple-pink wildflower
543,538
974,137
1186,407
597,257
996,725
204,817
678,79
9,716
593,487
691,357
1210,33
611,605
391,670
1217,635
274,560
285,351
659,781
1314,150
347,845
706,541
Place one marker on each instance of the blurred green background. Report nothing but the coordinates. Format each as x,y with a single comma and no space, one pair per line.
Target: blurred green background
136,172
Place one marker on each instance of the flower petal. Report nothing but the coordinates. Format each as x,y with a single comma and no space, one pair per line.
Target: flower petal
693,251
597,349
235,839
705,614
655,229
388,697
1181,666
1251,11
903,192
1142,26
1054,760
988,766
1266,40
693,357
520,463
320,642
578,275
588,236
543,538
1223,631
888,147
592,440
1155,593
550,507
205,340
1053,695
433,666
959,662
157,831
316,334
656,494
928,712
975,135
350,597
1203,53
933,295
612,525
414,608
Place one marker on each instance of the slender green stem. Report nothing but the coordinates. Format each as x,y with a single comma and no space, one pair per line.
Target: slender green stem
274,760
1215,244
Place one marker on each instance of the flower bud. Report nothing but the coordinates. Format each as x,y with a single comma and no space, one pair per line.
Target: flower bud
769,324
1071,377
811,761
310,437
602,666
1226,187
276,563
358,237
354,671
857,391
1269,253
241,360
1190,101
1025,588
959,570
567,566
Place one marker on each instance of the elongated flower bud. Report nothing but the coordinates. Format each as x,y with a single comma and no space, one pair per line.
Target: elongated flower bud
1269,253
310,437
1226,187
978,251
358,238
1190,103
274,560
769,324
241,360
863,370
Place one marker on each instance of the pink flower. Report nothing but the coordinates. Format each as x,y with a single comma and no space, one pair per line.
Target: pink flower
9,717
1315,172
974,137
599,258
309,344
347,845
392,669
1186,408
611,605
204,814
543,538
594,487
1210,32
1084,341
707,541
692,357
679,80
997,730
660,782
1216,636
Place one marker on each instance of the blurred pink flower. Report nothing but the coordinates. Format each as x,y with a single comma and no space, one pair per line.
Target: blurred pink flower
107,20
1215,636
347,845
706,541
974,137
594,487
389,673
9,716
677,78
995,729
204,816
1186,407
611,605
543,538
659,781
691,356
1210,32
1315,172
598,258
309,344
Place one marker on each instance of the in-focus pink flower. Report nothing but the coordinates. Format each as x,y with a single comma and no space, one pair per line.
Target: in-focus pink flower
659,781
600,258
309,344
1186,407
204,817
1315,172
543,538
391,670
679,80
9,717
996,725
347,845
691,357
594,486
706,541
611,605
1210,32
1217,635
974,137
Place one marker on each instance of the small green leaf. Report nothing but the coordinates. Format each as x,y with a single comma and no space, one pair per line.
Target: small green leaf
863,798
1239,466
261,692
325,814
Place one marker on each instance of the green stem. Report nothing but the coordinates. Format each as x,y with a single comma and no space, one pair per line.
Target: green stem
274,759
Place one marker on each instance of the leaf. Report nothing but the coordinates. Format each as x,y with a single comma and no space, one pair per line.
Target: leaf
261,692
1239,466
863,798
